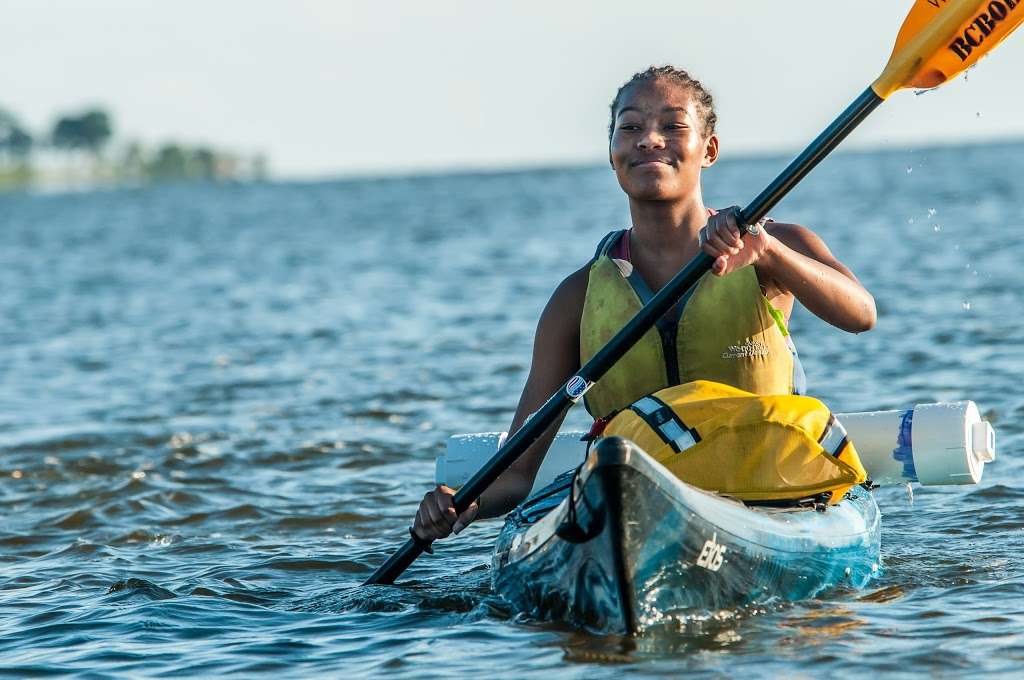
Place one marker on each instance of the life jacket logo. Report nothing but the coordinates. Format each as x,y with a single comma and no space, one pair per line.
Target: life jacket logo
981,27
712,554
748,348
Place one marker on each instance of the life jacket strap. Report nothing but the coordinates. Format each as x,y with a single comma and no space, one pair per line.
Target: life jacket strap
834,439
608,242
663,420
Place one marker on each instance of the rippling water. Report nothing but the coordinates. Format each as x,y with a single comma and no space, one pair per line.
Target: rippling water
222,405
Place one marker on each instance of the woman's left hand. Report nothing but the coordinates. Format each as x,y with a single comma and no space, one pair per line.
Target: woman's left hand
720,238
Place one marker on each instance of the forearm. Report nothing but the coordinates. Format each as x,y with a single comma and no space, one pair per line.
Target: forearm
555,359
505,494
514,485
830,294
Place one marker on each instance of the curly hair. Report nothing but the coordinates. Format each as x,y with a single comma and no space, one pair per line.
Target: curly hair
702,98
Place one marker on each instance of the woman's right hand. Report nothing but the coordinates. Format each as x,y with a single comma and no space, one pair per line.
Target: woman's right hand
436,516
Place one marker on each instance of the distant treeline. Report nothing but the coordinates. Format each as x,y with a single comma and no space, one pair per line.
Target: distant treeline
77,149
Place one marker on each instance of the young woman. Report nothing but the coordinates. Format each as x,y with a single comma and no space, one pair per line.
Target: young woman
730,329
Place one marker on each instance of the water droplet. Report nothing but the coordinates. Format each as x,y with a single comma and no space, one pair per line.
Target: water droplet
910,494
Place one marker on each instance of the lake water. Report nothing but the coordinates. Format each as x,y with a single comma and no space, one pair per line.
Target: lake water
222,404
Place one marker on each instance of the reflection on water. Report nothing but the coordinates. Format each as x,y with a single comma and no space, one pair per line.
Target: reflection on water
223,405
820,626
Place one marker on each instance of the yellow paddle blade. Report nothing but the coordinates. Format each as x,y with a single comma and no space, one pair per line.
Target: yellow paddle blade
941,38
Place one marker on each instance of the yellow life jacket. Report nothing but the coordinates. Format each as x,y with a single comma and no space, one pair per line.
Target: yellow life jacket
727,332
750,447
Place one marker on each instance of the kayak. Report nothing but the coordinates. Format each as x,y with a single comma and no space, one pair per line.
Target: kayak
619,544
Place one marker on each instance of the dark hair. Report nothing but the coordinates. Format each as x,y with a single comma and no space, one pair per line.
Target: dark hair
702,98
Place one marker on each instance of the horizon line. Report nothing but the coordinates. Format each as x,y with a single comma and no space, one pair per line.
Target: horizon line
515,168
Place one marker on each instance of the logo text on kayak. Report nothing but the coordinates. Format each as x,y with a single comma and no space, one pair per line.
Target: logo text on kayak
712,554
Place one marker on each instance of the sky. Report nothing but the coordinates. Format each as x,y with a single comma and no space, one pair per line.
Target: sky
353,87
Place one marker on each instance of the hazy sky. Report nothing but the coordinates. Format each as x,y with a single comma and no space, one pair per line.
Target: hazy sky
347,86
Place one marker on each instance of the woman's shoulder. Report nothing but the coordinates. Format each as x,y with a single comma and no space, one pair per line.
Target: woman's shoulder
564,311
798,237
572,291
566,304
570,294
558,330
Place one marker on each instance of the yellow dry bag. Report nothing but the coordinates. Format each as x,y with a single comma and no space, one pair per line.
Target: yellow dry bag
754,448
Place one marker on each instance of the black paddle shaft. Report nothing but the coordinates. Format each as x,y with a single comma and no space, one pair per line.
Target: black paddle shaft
631,333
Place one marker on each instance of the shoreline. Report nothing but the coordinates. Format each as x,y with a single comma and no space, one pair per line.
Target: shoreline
105,176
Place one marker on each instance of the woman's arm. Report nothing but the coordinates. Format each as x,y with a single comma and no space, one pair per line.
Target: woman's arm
556,356
799,263
792,261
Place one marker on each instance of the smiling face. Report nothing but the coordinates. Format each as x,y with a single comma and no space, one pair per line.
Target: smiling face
658,146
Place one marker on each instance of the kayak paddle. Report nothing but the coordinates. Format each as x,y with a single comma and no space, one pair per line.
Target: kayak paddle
938,40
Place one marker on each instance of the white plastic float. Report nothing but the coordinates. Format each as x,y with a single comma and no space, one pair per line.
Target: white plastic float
933,444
